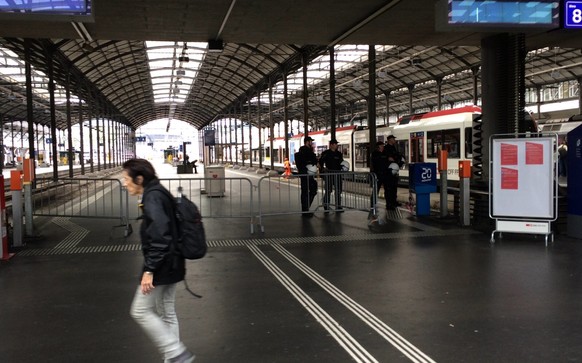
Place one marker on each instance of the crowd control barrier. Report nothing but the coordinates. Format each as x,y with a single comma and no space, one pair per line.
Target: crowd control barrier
234,201
82,198
282,195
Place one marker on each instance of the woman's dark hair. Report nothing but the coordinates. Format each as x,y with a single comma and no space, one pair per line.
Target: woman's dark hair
137,167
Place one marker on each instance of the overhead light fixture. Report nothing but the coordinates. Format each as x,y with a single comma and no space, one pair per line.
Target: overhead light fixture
87,47
180,72
82,31
215,46
184,57
178,83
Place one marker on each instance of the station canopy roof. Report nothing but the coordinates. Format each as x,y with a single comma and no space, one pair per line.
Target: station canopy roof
140,61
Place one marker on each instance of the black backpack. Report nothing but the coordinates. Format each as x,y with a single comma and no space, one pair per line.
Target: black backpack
191,236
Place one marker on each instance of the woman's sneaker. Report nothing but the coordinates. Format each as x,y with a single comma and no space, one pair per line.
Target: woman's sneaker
184,357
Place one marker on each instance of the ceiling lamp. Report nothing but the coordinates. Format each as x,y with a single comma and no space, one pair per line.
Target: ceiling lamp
184,57
180,72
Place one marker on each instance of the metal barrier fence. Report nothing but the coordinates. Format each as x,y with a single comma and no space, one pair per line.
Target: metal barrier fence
282,196
82,198
217,197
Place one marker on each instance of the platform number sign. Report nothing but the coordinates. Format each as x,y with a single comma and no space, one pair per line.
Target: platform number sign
573,14
426,175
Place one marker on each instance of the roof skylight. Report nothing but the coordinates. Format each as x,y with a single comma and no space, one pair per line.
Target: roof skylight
173,68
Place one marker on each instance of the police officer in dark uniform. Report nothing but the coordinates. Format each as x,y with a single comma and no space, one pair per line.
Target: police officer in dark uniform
379,167
391,187
330,163
304,157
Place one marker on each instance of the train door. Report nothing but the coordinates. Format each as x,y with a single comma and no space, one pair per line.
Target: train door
417,147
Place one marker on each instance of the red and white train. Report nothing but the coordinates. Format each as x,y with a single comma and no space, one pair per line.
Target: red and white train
419,138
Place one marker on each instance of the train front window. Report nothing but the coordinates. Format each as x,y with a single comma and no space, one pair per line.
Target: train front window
448,140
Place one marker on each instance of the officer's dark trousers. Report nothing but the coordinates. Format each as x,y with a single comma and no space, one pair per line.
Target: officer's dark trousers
308,191
381,180
391,190
332,181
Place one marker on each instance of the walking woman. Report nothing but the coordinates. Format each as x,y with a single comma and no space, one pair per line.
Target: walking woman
154,303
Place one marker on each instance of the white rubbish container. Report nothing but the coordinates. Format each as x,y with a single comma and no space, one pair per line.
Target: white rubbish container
214,183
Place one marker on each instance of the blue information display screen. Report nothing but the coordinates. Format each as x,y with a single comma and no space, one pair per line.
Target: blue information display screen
572,14
56,7
500,12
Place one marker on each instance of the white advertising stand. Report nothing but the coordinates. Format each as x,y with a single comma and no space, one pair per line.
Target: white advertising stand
523,188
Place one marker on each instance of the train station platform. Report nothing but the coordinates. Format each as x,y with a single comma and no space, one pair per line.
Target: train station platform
324,289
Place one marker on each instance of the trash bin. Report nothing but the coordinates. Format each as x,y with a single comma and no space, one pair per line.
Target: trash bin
214,183
422,181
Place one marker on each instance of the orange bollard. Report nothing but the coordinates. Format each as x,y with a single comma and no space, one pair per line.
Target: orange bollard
28,168
15,180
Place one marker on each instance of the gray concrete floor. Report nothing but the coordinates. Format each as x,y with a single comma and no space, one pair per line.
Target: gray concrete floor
326,289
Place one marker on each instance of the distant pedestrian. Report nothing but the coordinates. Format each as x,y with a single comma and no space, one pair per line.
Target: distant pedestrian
306,162
154,303
287,166
330,163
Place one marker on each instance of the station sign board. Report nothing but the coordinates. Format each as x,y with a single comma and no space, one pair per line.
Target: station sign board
572,14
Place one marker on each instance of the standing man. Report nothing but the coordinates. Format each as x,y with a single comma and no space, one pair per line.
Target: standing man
154,302
379,167
306,162
330,163
391,188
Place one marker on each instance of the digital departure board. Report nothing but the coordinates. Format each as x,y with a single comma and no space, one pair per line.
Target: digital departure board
499,14
504,12
56,7
572,14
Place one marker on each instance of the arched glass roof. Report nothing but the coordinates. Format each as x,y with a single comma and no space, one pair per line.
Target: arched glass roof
135,82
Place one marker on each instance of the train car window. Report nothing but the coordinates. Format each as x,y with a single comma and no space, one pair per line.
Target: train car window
443,140
468,142
345,150
416,150
402,147
362,155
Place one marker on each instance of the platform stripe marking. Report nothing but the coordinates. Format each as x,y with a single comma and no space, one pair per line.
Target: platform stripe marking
77,233
349,343
252,242
404,346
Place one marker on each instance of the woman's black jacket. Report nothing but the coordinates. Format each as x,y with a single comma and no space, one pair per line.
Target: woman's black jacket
158,232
